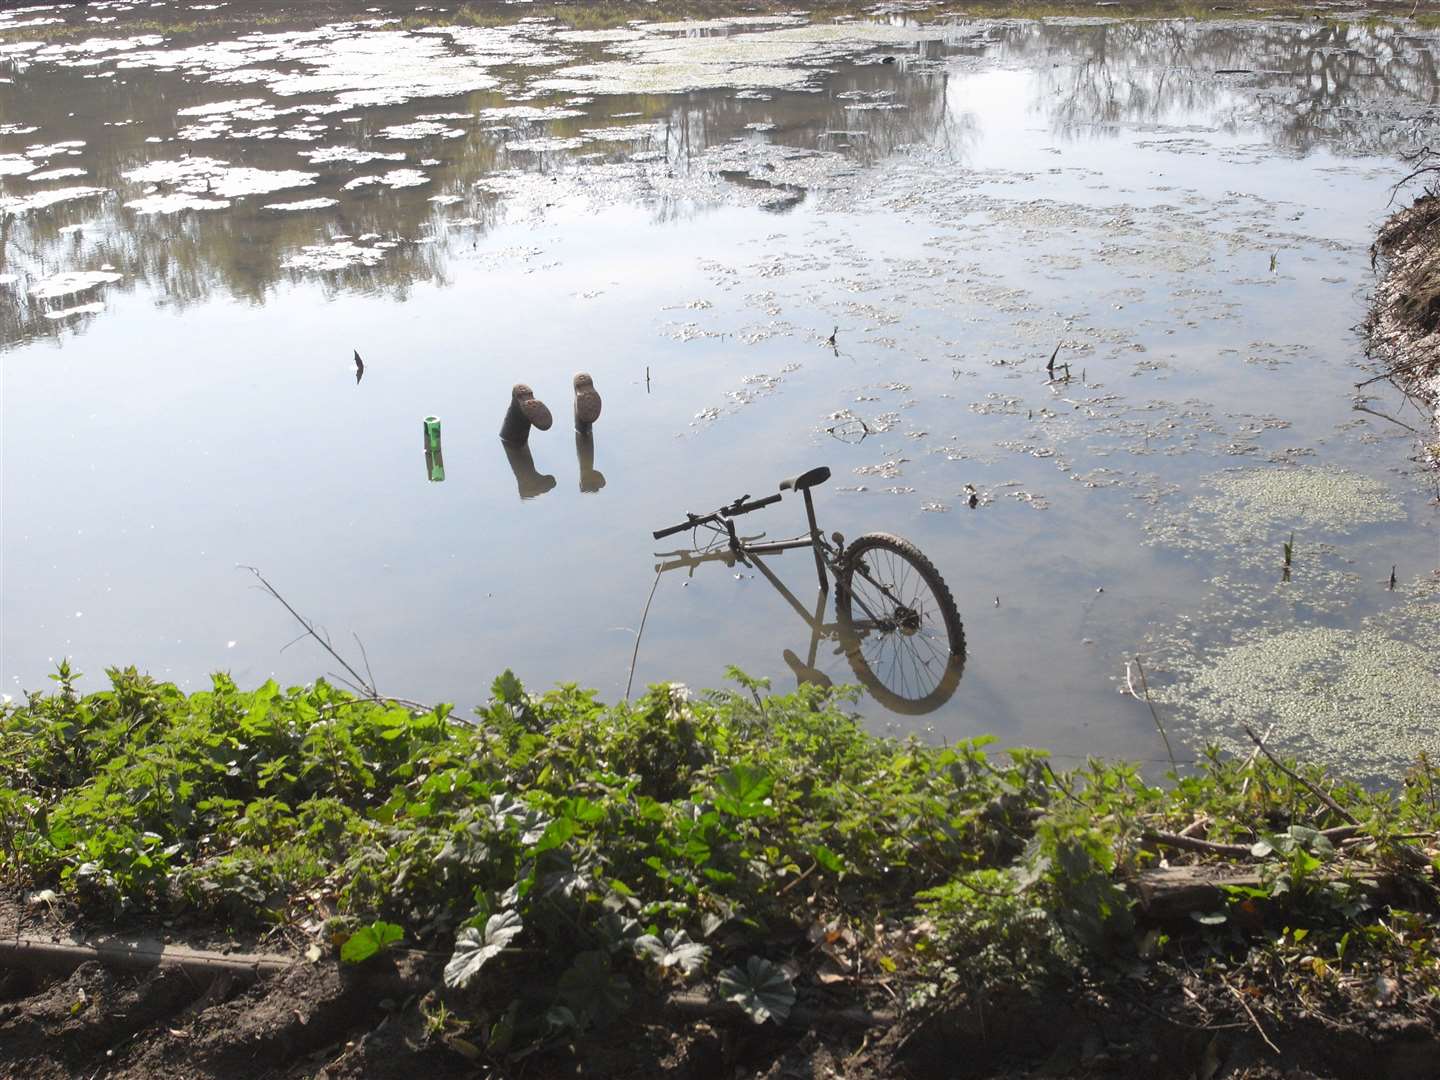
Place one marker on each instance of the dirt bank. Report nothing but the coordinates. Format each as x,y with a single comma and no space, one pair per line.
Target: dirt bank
1404,322
324,1021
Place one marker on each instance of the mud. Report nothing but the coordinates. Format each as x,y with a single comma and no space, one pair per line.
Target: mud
317,1021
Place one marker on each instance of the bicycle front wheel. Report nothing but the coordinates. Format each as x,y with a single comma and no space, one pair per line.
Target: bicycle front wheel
899,625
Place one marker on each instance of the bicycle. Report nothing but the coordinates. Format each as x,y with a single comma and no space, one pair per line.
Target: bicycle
896,619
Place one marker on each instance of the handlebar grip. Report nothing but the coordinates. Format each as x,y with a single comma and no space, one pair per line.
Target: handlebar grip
756,505
660,534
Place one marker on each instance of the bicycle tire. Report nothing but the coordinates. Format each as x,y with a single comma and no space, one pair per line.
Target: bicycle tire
905,611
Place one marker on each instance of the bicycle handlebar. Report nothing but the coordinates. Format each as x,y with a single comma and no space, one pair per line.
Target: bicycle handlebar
735,509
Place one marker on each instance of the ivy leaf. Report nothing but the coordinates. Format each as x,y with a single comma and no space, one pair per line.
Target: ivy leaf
827,858
475,948
591,989
676,950
369,940
763,990
743,789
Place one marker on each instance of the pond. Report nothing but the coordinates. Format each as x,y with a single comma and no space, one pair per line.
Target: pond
1072,304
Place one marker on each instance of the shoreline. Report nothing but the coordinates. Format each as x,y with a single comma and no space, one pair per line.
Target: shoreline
1403,326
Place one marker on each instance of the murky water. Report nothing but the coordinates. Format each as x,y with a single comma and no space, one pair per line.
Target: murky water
207,209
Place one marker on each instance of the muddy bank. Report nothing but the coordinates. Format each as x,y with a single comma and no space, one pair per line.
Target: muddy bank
1404,323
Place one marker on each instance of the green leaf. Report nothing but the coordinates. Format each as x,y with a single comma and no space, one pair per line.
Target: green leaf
475,948
369,940
555,834
675,950
590,988
582,811
507,688
762,990
743,789
827,858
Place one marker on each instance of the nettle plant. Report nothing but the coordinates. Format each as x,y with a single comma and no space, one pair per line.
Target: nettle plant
597,852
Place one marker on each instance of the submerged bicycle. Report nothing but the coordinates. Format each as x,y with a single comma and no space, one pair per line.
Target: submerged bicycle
896,620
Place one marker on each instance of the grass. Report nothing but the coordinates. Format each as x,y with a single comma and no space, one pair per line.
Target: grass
585,854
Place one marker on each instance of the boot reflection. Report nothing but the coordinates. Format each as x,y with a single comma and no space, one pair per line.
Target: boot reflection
530,482
591,478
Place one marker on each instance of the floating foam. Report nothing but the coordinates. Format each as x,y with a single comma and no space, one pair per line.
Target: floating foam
303,204
71,282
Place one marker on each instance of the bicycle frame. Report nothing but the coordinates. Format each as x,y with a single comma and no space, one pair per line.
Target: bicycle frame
814,541
826,554
747,552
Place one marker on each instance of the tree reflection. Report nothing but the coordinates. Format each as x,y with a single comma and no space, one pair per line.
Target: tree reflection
1353,89
1350,88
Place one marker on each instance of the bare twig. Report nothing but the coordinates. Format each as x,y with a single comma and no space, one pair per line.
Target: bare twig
1422,155
1193,843
364,656
1153,713
366,691
1409,366
1246,1006
1250,761
640,633
796,881
1196,827
1387,416
309,628
1323,796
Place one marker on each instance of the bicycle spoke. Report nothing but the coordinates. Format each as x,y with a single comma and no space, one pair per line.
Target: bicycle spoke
906,647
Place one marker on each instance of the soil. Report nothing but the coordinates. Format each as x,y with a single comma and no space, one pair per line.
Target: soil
328,1021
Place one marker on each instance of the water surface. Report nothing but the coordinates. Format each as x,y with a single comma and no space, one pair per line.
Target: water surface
206,211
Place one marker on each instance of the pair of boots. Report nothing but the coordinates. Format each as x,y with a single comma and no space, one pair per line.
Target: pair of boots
527,411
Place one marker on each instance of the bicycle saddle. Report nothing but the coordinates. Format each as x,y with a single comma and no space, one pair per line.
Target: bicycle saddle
806,479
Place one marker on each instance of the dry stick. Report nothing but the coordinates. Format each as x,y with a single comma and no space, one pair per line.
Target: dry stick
1323,796
309,627
639,633
1196,827
1250,761
1155,715
1387,416
1408,366
1194,843
1246,1006
367,690
796,881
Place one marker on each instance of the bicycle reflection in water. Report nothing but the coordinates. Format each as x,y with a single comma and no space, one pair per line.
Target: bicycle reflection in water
896,622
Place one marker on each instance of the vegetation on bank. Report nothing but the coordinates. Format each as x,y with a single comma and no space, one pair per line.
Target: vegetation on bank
574,861
1404,319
